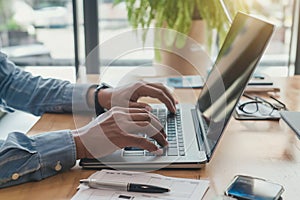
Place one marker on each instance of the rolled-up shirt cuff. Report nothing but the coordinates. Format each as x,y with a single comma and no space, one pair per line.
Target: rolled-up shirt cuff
57,152
79,98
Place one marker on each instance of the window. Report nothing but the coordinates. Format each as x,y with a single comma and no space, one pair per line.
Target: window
280,12
113,21
37,32
40,32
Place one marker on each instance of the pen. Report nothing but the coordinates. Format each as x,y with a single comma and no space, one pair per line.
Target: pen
259,77
130,187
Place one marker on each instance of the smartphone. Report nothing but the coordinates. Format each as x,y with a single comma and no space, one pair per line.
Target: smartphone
250,188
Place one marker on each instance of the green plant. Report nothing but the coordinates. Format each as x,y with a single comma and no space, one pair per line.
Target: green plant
10,25
178,15
6,17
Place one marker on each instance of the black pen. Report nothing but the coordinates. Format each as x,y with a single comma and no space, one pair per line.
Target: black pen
130,187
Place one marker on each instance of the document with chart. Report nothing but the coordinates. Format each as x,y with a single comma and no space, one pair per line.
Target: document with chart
180,188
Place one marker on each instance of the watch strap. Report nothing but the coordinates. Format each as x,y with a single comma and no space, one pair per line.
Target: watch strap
98,108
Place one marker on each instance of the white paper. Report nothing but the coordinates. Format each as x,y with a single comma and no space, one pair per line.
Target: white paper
180,188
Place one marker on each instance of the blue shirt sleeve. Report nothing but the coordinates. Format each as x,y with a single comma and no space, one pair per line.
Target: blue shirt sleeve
24,158
20,90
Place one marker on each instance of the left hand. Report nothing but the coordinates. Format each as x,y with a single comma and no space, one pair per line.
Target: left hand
128,95
118,128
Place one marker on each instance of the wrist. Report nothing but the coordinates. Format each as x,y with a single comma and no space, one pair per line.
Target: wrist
79,148
81,151
104,98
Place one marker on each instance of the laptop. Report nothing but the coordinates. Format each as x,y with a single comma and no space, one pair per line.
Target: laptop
195,131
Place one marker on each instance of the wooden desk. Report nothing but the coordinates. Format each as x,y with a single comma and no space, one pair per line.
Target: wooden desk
266,149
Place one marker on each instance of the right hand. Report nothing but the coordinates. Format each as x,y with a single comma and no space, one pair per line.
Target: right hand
116,129
128,96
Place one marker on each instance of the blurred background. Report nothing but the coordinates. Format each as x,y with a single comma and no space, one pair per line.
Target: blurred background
42,34
43,30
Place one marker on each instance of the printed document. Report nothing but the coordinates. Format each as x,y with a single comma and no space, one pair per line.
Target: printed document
181,188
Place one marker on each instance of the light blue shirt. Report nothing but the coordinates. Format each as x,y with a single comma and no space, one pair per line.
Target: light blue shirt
24,158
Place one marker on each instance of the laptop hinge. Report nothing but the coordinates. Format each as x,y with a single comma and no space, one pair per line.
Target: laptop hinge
200,133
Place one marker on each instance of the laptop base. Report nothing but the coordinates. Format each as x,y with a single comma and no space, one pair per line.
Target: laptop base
87,163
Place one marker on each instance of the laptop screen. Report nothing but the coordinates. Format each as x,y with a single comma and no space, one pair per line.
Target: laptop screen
237,59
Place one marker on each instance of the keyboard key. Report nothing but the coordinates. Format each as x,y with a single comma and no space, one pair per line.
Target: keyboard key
172,152
147,153
172,138
133,149
133,153
180,144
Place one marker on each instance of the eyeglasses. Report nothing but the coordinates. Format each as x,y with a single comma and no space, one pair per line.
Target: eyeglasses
261,105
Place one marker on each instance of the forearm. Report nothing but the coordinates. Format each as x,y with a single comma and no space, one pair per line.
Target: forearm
24,159
22,91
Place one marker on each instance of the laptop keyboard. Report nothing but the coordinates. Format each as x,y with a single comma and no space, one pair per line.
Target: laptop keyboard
173,128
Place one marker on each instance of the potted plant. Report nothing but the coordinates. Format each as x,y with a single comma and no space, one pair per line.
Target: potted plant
183,16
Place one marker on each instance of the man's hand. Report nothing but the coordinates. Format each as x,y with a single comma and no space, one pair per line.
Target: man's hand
116,129
128,95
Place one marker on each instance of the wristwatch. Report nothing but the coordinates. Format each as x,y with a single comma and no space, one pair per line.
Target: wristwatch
99,109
